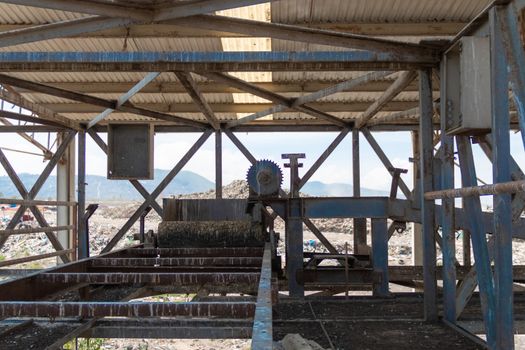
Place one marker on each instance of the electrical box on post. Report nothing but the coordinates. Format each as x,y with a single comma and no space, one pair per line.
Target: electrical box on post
130,151
469,106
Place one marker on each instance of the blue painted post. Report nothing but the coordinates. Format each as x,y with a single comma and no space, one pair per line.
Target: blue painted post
508,28
380,255
474,221
501,173
426,185
83,241
448,245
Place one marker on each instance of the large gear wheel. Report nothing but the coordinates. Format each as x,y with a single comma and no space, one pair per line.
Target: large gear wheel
264,178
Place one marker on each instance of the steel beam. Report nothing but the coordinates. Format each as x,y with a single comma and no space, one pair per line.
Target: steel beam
309,35
75,96
448,230
262,334
82,231
125,309
426,160
102,22
359,224
184,261
197,97
479,243
380,255
205,61
125,98
218,164
503,283
166,278
322,158
384,159
271,96
399,85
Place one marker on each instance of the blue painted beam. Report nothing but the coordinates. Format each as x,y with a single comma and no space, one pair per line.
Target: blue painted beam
206,61
474,221
503,281
380,255
346,207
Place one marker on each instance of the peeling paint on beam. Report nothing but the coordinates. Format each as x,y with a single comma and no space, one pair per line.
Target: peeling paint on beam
206,61
125,309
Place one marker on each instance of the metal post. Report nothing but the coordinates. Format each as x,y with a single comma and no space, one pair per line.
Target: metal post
417,239
426,184
218,164
380,255
294,229
360,246
448,232
503,281
83,243
65,192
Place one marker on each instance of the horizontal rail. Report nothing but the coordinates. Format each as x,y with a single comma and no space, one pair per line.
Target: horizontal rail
504,187
35,230
126,309
176,278
172,262
36,202
35,257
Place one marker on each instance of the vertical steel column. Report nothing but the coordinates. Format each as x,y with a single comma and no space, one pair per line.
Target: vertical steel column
448,232
83,243
503,281
294,247
380,255
359,223
218,164
65,192
417,239
426,185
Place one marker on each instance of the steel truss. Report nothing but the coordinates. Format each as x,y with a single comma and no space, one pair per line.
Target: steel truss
139,272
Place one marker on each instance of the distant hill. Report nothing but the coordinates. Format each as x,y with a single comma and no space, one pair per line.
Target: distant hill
99,187
186,182
320,189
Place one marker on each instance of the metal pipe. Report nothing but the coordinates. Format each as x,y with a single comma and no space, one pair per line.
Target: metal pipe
34,230
26,202
35,257
504,187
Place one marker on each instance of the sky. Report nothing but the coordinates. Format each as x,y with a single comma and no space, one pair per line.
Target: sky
169,148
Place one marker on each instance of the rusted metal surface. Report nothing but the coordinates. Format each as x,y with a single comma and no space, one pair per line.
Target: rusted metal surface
187,261
195,252
120,309
262,336
156,278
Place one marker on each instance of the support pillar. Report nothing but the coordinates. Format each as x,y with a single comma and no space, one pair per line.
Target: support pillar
448,232
417,239
218,164
426,160
360,246
503,281
83,240
380,255
65,192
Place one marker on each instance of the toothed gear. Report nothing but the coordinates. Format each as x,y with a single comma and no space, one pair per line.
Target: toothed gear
265,178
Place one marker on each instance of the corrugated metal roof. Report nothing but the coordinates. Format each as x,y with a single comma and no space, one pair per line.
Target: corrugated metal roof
304,12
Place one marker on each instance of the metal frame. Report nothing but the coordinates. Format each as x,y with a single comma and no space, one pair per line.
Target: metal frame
490,233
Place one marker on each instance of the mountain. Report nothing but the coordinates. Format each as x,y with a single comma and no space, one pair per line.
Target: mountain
320,189
99,187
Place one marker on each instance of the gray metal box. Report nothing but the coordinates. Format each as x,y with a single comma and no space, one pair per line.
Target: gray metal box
474,113
130,151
